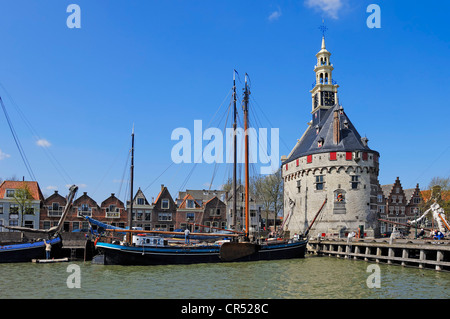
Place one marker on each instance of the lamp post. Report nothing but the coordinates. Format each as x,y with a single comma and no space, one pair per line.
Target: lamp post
415,217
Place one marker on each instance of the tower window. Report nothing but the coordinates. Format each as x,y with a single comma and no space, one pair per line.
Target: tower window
298,186
309,159
319,182
355,182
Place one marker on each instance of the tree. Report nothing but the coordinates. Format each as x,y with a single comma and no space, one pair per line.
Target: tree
22,196
269,189
443,182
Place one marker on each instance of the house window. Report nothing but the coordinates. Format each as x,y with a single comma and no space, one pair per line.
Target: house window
10,192
140,201
29,211
380,198
333,156
214,212
190,216
319,182
364,156
1,208
165,204
29,224
14,209
165,217
75,226
84,207
46,225
355,181
190,203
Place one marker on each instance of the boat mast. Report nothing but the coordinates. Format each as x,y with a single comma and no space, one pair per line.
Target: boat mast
130,215
247,198
235,153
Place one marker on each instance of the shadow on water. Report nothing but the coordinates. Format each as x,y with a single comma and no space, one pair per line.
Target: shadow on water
311,277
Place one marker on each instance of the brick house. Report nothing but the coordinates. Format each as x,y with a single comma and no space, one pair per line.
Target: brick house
82,206
189,211
112,212
164,211
52,210
142,211
215,213
400,205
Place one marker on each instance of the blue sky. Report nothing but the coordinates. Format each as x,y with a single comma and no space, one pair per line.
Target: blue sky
163,64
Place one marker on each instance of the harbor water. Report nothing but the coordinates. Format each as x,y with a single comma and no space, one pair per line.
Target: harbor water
311,277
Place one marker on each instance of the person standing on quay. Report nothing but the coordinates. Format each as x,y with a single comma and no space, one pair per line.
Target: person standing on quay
186,236
48,249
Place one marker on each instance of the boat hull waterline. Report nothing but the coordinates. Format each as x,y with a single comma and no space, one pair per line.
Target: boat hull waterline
26,252
113,254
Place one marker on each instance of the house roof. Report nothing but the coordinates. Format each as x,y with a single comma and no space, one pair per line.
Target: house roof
33,187
350,140
186,197
426,195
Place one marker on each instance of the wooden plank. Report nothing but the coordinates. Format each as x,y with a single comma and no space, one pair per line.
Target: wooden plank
50,261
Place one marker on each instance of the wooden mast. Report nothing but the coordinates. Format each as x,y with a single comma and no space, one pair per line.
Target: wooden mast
130,214
247,198
235,154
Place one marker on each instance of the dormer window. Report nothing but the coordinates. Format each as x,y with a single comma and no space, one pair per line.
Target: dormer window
345,124
140,201
317,128
320,142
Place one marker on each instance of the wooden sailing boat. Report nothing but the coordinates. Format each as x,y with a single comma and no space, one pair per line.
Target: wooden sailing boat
151,249
26,252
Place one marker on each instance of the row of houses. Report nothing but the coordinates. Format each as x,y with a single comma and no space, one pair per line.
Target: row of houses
210,208
191,209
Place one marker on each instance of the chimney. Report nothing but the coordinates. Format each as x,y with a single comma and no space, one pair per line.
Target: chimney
112,194
162,187
336,128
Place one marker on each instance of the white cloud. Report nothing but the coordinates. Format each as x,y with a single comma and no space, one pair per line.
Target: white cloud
4,155
51,187
275,15
329,7
43,143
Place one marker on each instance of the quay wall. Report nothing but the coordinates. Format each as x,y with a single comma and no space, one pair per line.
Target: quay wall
409,253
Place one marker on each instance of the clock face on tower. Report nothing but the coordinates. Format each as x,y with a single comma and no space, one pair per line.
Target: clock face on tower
327,98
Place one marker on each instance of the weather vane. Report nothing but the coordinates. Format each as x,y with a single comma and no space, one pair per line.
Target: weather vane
323,28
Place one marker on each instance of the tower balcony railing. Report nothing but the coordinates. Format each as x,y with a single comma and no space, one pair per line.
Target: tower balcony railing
333,82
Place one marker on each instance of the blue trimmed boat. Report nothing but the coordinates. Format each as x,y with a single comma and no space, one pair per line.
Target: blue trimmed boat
26,252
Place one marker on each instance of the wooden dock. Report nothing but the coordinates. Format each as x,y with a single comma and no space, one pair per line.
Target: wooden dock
424,254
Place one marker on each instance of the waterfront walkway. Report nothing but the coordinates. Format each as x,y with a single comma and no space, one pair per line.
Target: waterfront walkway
428,254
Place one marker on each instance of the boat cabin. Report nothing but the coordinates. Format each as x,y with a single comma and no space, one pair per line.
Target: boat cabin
151,241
